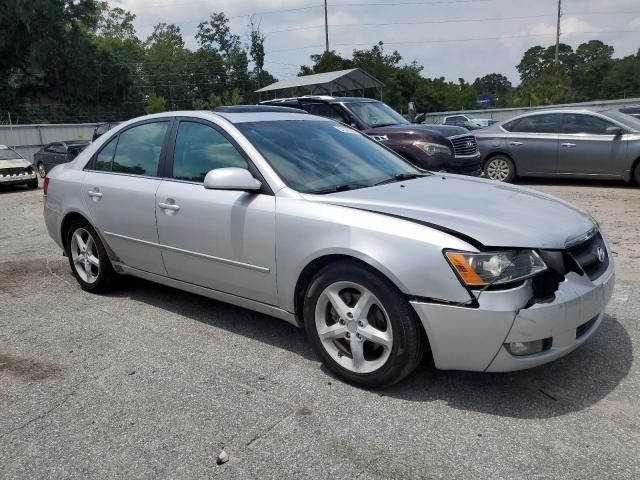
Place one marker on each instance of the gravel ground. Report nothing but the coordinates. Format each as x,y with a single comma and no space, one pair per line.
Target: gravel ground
151,382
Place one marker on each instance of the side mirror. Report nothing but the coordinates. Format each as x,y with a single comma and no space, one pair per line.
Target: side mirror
231,178
419,118
614,131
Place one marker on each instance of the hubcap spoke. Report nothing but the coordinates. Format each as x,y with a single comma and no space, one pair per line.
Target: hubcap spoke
334,331
357,353
86,262
79,242
93,260
338,304
361,310
376,336
87,269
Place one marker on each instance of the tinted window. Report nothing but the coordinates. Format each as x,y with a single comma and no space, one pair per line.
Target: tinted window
544,123
105,157
312,155
138,149
324,110
578,123
59,148
376,114
200,148
50,148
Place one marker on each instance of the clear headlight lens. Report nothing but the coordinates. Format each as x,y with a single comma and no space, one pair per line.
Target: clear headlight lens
433,148
495,268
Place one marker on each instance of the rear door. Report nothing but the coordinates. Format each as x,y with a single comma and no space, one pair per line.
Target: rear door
533,143
119,190
587,149
219,239
53,155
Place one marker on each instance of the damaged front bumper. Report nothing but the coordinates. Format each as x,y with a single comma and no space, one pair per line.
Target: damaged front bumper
474,339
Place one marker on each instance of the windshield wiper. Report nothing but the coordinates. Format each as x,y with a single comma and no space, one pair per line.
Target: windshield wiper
402,176
340,188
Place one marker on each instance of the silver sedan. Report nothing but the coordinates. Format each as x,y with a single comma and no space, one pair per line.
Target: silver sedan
310,221
563,143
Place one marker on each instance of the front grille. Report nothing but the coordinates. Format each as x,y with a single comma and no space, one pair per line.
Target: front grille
585,327
15,172
591,256
465,145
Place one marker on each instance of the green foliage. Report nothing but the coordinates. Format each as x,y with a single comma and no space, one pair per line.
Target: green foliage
156,104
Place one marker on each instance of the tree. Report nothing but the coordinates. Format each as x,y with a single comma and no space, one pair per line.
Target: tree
325,62
115,22
256,50
156,104
496,85
593,63
551,85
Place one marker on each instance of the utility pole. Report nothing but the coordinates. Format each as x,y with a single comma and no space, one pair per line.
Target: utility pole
326,28
558,33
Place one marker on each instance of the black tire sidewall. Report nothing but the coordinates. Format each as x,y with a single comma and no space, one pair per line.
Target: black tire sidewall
106,273
407,349
512,168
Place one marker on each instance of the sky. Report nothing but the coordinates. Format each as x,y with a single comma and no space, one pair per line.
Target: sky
450,38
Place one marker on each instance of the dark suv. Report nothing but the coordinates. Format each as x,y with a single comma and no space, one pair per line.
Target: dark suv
431,147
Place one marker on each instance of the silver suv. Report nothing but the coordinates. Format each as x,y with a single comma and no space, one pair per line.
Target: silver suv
563,143
313,222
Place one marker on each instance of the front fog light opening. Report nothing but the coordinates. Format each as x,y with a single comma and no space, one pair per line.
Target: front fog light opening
520,349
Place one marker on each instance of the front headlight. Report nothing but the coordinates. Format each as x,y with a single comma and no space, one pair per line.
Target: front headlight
433,148
495,268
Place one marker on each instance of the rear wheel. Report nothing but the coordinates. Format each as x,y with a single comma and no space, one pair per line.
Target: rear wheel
88,258
41,170
32,184
361,326
636,173
500,168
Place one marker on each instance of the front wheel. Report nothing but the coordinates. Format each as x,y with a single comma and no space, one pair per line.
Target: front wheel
41,170
33,184
361,326
500,168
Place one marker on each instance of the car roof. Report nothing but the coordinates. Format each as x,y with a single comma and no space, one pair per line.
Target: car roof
257,109
325,98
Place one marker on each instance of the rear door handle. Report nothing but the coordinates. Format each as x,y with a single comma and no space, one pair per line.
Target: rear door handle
94,194
169,206
515,144
568,145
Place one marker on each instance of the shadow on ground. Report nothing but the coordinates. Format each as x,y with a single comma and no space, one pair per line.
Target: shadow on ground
570,384
574,182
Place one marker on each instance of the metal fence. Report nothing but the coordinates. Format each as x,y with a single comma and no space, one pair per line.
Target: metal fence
501,114
28,139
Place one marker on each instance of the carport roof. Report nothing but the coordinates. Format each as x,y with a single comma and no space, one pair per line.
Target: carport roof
329,82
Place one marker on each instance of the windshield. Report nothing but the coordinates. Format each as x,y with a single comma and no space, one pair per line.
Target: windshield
624,118
311,156
376,114
9,154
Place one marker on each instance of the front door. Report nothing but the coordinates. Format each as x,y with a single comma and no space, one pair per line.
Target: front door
119,190
587,149
219,239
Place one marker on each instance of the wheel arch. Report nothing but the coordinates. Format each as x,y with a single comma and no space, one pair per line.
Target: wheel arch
66,223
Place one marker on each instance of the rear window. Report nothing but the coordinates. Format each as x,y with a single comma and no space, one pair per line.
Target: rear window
543,123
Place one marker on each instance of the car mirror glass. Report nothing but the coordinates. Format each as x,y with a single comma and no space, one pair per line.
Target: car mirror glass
231,178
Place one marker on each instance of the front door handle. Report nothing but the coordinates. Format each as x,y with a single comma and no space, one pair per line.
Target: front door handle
568,145
515,144
171,207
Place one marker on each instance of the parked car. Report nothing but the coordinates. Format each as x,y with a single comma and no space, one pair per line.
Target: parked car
430,147
633,111
55,153
15,170
466,124
462,118
103,128
563,143
307,220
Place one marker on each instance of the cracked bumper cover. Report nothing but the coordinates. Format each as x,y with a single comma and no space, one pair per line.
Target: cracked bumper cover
473,339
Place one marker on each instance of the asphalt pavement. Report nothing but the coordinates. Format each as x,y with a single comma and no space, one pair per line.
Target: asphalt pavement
151,382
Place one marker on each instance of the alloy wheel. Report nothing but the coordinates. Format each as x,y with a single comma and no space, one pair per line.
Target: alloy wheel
41,170
84,253
353,327
498,169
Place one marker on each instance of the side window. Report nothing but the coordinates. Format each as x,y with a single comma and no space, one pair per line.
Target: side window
105,157
578,123
324,110
59,148
50,148
201,148
543,123
138,149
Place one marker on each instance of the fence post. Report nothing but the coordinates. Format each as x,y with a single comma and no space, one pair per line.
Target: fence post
40,135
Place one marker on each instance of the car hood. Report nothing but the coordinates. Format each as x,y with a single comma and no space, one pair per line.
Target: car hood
493,214
15,163
424,129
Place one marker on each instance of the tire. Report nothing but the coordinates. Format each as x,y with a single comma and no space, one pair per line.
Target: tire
41,170
374,350
500,168
33,184
88,258
636,174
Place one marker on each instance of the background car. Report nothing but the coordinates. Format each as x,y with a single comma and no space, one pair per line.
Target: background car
563,143
15,170
431,147
633,111
103,128
460,119
56,153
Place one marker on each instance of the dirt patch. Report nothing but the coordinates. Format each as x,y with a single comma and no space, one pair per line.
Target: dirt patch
16,273
25,367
